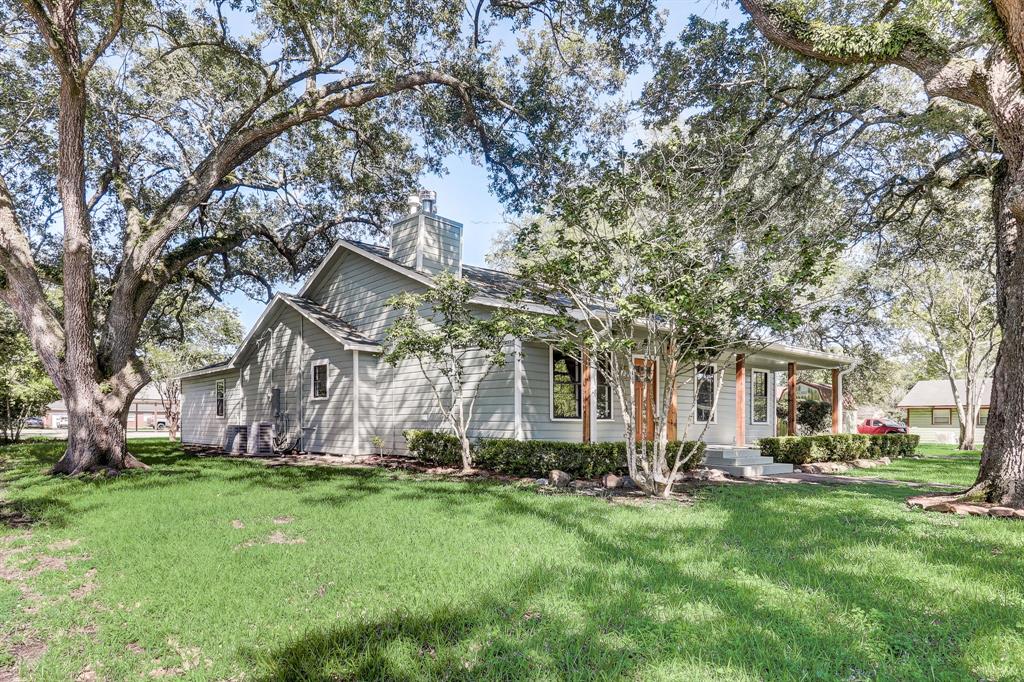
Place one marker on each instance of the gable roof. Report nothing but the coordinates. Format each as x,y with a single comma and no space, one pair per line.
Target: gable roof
338,329
938,393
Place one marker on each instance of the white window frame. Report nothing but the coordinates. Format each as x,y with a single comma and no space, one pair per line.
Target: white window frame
220,399
595,372
327,380
948,411
767,396
551,390
696,385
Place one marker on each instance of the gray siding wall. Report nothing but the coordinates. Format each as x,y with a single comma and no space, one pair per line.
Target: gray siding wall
405,239
357,290
200,424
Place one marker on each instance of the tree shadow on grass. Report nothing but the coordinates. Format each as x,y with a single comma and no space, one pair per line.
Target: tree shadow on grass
775,582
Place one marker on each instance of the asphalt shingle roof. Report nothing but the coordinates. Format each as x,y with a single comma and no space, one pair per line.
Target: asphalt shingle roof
938,392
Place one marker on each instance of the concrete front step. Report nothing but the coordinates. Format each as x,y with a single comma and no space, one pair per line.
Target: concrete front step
754,470
741,460
731,453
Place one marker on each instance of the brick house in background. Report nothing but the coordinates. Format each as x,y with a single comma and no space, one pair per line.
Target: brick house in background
147,412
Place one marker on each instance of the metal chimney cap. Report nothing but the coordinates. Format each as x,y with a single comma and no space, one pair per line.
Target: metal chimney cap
429,199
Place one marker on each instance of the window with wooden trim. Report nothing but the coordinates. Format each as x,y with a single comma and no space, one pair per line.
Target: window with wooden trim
219,393
759,397
566,386
319,382
982,417
603,387
705,391
942,416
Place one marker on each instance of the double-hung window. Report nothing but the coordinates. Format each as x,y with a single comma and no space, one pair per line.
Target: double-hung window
942,416
705,392
566,386
320,381
219,394
758,397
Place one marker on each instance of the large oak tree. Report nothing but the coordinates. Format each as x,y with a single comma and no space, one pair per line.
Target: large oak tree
224,144
973,54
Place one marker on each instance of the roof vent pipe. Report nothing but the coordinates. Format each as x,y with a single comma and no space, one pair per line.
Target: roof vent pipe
429,199
414,204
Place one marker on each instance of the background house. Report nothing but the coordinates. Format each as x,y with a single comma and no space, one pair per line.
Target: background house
146,412
931,410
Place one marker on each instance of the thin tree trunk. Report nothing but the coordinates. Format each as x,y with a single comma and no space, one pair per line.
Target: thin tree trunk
1001,477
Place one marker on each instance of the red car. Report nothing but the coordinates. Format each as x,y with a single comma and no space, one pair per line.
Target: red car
876,425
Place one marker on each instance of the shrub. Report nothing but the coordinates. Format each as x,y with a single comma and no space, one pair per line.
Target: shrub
838,447
437,447
580,460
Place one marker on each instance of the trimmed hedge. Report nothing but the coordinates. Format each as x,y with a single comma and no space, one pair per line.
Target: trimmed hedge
579,460
838,447
438,447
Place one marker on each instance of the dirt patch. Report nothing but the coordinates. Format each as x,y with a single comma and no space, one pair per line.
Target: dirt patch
283,520
62,546
237,524
191,659
134,648
87,675
275,538
87,587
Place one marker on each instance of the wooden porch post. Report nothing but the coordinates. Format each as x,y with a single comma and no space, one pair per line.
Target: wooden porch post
741,399
837,390
587,403
791,395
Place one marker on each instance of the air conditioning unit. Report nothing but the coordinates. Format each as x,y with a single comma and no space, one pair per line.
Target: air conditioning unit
264,439
236,439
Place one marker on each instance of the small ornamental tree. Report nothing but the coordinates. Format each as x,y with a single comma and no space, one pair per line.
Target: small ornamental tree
454,344
25,390
680,254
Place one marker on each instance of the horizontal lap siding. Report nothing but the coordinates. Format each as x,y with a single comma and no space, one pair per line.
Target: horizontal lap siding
919,419
404,237
413,404
357,290
329,421
200,424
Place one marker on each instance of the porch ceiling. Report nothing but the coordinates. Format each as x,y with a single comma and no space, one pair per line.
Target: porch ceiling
777,356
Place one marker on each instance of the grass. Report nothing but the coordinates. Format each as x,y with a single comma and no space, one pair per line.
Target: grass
384,576
934,464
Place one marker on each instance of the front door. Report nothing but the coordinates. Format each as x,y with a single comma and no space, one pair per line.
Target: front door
645,389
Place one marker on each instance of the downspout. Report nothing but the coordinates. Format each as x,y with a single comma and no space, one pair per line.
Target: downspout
842,410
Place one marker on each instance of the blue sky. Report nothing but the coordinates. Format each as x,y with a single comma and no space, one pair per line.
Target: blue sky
462,192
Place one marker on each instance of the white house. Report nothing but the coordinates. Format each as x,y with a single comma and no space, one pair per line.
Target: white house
931,410
309,375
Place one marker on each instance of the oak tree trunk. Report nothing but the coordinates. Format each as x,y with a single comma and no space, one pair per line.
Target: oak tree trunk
96,437
1001,477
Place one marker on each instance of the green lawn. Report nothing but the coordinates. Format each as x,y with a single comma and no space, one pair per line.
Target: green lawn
935,464
377,575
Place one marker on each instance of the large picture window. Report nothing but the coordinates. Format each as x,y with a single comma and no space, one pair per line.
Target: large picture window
320,380
759,397
941,416
603,385
566,386
219,393
705,391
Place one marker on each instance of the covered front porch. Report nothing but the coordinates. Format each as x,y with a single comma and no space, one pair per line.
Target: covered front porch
745,410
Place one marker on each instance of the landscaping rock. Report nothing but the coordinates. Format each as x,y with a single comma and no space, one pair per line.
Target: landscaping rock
884,461
627,483
611,481
1002,512
865,463
824,468
582,485
542,481
707,475
559,479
